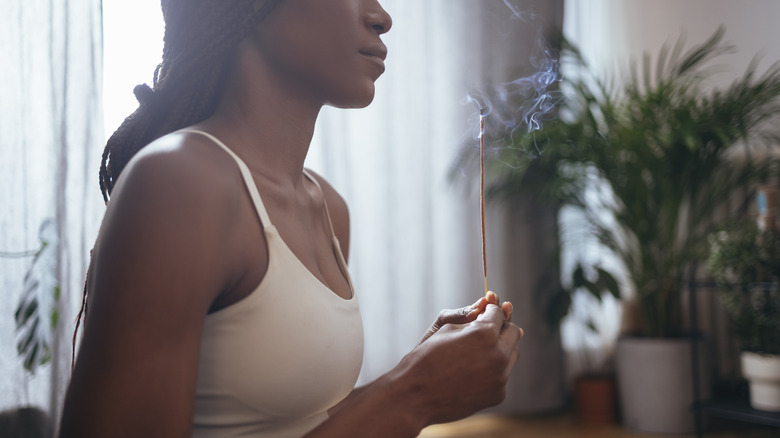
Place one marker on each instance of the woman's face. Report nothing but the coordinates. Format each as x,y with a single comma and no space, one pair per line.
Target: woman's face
329,50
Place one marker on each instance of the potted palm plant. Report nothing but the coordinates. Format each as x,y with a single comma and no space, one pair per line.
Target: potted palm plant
745,263
647,159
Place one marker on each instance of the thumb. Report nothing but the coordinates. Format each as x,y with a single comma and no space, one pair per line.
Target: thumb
462,315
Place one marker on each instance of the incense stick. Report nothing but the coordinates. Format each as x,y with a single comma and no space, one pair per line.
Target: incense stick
482,190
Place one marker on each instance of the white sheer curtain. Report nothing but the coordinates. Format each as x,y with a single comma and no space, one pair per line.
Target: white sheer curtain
414,240
51,131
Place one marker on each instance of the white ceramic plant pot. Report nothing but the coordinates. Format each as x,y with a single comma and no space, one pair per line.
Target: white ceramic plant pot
655,383
763,373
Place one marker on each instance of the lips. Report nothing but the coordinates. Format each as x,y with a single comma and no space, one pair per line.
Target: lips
378,51
376,55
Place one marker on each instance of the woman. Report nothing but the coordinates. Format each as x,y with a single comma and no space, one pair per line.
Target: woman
219,300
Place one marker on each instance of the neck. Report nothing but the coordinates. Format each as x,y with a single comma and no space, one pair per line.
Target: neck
266,122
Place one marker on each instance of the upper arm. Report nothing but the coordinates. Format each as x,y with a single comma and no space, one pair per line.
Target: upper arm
156,271
339,213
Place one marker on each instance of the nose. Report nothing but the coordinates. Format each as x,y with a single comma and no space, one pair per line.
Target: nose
379,19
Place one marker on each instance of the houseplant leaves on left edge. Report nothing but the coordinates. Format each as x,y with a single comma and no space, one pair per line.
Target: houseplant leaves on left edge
36,314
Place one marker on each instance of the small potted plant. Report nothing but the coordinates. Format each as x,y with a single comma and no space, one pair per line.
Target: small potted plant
745,263
595,395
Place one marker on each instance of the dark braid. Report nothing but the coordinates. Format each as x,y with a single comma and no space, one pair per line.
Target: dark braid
200,35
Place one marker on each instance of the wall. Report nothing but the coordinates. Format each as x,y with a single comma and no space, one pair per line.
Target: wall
610,30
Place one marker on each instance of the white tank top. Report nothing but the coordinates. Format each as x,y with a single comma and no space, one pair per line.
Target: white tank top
272,364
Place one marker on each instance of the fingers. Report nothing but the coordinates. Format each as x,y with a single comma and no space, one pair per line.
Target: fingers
494,315
463,315
510,336
507,307
475,309
470,313
513,357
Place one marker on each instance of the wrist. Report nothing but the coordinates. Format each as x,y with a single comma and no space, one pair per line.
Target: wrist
383,408
405,393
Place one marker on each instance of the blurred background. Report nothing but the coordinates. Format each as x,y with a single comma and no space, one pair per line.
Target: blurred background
405,167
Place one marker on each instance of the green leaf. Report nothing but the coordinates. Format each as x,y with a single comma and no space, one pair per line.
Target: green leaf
594,290
18,312
45,358
578,277
28,309
25,342
31,309
607,282
559,306
30,358
55,317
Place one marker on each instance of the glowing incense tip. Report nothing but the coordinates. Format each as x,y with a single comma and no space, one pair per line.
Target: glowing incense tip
482,116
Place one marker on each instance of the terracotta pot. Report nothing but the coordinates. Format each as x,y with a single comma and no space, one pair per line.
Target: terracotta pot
595,400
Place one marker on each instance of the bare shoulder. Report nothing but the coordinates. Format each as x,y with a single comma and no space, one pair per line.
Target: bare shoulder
160,260
339,212
180,189
180,164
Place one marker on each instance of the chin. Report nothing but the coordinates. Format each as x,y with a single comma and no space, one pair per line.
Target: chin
355,101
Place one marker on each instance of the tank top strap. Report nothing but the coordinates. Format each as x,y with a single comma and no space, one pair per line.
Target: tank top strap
324,203
249,182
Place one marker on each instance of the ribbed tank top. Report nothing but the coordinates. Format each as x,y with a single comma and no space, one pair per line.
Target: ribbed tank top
272,364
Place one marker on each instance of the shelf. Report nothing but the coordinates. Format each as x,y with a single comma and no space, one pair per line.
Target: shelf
733,407
740,410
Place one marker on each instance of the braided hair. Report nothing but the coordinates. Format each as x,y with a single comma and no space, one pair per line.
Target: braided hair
200,35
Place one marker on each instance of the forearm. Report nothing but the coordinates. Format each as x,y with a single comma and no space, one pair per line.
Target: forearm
383,408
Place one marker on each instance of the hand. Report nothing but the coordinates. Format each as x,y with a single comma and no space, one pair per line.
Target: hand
468,313
461,368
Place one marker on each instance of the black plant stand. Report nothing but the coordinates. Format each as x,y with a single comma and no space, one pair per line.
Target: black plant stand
732,408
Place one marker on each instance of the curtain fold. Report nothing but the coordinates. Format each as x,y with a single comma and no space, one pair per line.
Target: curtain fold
51,131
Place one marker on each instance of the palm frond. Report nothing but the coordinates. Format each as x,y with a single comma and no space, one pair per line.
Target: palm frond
669,151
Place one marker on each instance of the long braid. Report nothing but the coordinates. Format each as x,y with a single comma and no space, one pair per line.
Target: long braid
199,37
